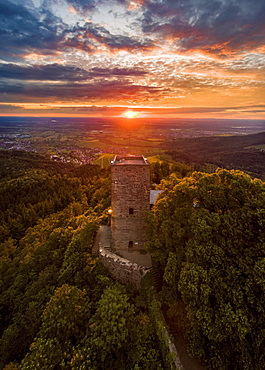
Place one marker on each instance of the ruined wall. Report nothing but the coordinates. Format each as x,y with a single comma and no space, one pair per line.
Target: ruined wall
122,269
127,272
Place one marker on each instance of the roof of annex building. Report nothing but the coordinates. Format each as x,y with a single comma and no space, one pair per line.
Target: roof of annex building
129,160
153,195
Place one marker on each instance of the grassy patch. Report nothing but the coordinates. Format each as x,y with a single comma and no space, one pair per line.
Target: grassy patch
104,160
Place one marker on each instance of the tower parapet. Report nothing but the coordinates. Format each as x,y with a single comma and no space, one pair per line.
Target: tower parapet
130,200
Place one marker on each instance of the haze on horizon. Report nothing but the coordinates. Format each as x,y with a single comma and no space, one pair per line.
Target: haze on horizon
157,58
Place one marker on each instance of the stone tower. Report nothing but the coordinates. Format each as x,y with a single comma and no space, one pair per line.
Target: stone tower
130,200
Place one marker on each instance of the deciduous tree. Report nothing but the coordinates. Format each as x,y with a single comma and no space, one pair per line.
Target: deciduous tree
208,244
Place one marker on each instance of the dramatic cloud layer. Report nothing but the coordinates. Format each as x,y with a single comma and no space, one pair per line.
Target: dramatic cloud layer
219,27
160,57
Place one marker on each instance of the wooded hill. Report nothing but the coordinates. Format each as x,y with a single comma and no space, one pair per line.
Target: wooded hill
59,308
207,242
231,152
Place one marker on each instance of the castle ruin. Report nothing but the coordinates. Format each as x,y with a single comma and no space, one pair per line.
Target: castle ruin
130,200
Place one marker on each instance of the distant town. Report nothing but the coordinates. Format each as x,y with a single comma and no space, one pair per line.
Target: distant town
81,141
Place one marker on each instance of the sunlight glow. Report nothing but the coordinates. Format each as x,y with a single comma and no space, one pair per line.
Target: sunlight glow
131,114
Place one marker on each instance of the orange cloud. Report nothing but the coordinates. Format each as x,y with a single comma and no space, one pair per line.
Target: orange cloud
72,10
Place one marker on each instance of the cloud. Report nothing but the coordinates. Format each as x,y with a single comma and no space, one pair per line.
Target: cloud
100,35
20,30
132,51
110,111
83,4
118,90
26,29
251,62
97,110
218,27
107,72
6,108
58,72
51,72
200,110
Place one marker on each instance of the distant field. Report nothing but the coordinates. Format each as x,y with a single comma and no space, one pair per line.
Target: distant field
224,142
88,144
261,147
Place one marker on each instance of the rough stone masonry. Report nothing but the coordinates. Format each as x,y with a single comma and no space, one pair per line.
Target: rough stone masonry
130,200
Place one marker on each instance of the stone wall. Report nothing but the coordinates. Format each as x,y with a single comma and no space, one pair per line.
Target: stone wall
126,272
121,269
130,200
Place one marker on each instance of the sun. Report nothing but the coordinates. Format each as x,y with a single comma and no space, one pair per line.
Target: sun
130,114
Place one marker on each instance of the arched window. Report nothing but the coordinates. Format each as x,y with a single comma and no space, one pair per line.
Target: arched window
130,246
130,211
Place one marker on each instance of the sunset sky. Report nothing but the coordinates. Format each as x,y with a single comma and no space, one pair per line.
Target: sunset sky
155,58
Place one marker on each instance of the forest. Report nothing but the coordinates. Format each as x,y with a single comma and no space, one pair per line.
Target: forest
245,152
59,307
207,242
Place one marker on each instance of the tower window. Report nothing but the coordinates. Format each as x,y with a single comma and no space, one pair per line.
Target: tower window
130,246
130,211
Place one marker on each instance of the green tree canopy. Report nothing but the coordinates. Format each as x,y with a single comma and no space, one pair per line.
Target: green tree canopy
207,240
58,305
62,327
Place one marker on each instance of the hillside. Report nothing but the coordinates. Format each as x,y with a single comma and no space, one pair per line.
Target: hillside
206,237
232,152
59,307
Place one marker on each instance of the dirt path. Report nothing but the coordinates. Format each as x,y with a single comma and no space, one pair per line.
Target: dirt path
188,363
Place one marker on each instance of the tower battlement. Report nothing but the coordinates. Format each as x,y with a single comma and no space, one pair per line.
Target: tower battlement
129,160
